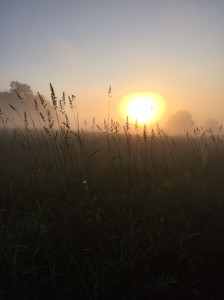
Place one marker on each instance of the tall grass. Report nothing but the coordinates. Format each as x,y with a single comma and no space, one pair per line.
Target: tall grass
110,213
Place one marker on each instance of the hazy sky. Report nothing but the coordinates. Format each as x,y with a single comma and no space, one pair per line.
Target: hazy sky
171,47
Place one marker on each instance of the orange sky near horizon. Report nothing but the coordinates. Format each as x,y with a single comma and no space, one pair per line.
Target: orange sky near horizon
171,48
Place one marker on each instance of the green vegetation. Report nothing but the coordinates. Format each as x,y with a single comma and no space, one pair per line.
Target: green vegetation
112,213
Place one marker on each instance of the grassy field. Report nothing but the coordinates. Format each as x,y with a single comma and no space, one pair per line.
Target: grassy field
110,213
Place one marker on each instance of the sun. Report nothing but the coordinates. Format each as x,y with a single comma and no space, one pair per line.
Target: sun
142,107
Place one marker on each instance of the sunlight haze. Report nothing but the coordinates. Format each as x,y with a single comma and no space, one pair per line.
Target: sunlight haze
171,48
111,149
143,108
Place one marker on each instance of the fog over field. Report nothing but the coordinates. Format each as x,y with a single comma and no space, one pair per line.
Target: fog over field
19,104
111,149
170,48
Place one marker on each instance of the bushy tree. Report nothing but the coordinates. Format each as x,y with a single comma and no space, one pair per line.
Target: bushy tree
17,102
211,124
21,89
180,122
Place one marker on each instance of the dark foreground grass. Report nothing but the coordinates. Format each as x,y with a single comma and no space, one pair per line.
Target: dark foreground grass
111,215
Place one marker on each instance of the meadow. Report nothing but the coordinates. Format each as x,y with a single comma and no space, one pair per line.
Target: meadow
112,212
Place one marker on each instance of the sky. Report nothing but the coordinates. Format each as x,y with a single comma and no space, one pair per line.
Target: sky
174,48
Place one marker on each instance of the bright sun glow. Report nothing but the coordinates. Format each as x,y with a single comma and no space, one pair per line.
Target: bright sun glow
143,107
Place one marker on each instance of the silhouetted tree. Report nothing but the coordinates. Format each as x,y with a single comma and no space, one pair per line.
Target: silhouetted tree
179,122
211,124
21,89
21,97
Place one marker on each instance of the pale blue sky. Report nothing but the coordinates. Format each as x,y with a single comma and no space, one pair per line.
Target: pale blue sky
171,47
